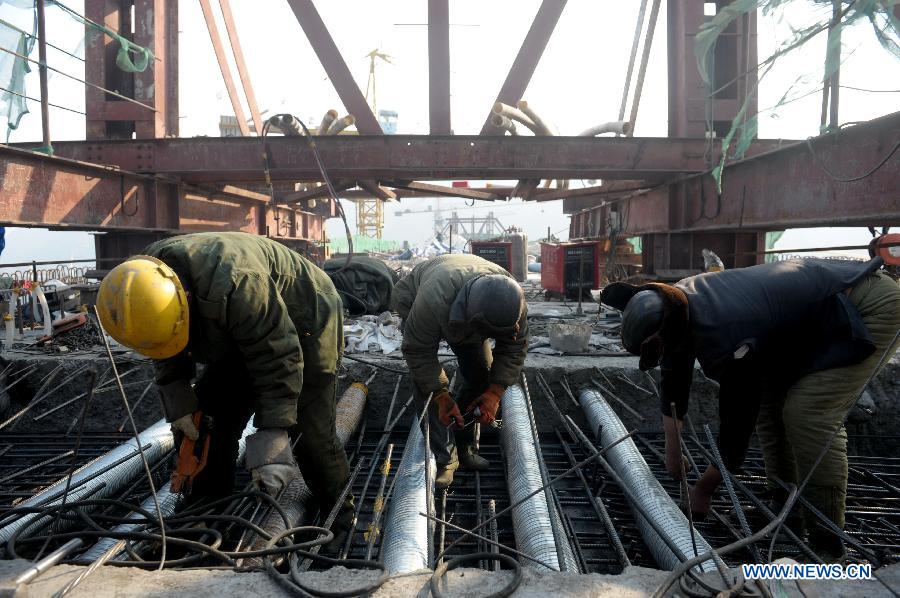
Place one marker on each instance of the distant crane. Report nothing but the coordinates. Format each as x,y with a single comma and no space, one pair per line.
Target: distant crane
370,212
373,56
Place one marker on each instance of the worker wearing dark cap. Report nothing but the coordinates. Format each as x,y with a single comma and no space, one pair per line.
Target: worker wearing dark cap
466,301
791,344
267,325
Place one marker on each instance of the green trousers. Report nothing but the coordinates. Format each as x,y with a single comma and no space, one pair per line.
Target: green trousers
794,426
225,391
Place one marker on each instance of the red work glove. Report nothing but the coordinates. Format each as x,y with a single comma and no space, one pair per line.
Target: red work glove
488,403
448,410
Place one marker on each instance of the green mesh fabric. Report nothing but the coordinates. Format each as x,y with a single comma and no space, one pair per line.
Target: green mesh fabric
131,57
12,74
877,14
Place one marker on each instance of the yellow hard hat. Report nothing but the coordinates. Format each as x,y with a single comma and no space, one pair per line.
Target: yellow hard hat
143,306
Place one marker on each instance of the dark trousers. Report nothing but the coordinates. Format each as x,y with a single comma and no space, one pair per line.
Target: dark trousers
474,371
225,392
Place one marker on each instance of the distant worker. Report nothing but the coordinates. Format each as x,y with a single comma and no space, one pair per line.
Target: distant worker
464,300
267,323
791,343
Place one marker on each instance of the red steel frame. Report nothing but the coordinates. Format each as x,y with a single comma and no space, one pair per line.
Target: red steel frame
134,174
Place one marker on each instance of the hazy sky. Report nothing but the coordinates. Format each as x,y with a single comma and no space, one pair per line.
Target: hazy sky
578,83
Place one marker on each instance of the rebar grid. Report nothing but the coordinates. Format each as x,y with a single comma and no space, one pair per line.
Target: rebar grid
30,462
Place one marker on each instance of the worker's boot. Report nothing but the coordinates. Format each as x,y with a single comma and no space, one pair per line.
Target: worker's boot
444,477
794,520
826,545
830,501
471,460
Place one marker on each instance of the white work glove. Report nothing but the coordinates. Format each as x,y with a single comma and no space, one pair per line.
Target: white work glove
272,478
185,425
270,459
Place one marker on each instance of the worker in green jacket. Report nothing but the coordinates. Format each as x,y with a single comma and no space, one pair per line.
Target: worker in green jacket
267,324
466,301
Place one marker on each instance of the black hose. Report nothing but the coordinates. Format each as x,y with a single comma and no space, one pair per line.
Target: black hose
503,592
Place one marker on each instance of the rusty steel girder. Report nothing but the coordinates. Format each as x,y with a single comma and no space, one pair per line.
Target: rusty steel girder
403,157
46,191
802,185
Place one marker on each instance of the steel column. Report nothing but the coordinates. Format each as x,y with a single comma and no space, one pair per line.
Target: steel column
223,67
439,67
42,56
104,114
527,59
241,65
335,67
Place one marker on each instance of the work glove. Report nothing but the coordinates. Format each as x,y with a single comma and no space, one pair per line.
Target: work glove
272,478
178,399
448,410
184,425
488,404
270,459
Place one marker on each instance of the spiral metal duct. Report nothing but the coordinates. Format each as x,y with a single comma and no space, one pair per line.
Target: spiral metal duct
404,547
297,497
635,473
169,503
101,478
532,519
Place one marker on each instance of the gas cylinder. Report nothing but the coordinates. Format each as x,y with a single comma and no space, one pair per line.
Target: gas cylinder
887,247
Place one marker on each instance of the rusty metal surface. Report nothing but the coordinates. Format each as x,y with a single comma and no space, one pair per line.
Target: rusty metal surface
775,190
224,67
239,62
40,190
334,66
790,188
528,57
405,157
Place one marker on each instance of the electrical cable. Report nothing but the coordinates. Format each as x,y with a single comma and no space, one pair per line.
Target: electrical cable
852,179
137,441
32,36
88,83
332,193
507,590
15,93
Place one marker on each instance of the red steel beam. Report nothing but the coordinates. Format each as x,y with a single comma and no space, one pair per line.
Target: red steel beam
404,157
47,191
223,66
439,67
230,27
528,57
38,190
788,188
335,67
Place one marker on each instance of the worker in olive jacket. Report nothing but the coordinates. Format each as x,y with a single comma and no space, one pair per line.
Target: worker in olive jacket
791,344
466,301
267,324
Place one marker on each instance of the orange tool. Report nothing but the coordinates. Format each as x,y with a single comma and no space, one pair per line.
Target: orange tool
192,455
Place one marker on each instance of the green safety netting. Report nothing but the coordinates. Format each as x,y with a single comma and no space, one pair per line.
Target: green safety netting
13,69
130,58
364,244
879,14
